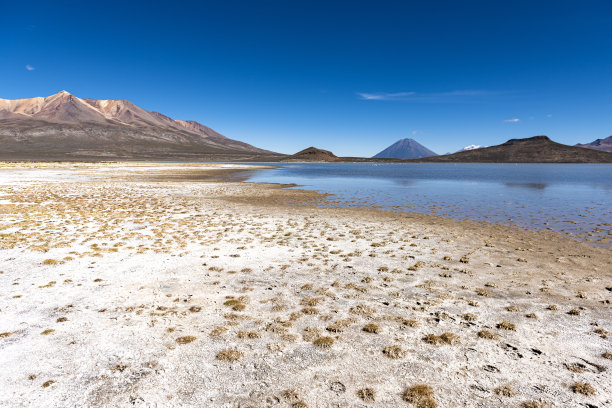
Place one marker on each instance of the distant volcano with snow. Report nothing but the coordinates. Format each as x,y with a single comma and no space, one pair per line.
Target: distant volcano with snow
470,147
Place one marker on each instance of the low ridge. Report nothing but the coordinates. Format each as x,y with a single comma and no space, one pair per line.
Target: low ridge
313,154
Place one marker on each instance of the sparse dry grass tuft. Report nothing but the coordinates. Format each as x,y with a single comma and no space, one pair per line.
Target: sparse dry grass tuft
119,367
536,404
310,301
335,328
47,331
416,266
229,355
362,310
217,331
394,352
420,395
410,322
603,333
486,334
371,328
310,310
235,304
468,317
583,388
247,335
185,339
290,395
323,342
445,338
506,325
505,391
482,292
575,367
367,394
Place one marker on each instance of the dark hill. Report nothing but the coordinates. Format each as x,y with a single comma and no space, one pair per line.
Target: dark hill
537,149
313,154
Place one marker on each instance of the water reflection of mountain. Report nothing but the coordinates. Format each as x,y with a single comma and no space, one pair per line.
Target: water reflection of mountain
531,186
407,183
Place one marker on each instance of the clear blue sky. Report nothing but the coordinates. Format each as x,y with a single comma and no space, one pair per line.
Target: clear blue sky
348,76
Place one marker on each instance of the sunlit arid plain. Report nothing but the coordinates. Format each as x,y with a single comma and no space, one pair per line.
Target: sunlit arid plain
306,204
178,285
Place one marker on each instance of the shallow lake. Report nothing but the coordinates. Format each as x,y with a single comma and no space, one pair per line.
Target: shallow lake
575,199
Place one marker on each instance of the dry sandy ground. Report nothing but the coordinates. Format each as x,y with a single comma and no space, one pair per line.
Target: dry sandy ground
121,286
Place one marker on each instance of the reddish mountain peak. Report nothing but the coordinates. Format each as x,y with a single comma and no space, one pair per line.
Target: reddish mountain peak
111,125
60,94
161,116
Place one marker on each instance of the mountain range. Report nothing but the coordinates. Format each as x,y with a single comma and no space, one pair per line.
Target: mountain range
404,149
63,126
537,149
604,145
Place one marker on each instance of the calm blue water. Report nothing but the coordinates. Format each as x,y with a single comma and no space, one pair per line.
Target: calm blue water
575,199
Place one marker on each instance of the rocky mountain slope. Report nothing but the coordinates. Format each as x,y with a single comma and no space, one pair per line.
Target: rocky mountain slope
65,127
604,145
537,149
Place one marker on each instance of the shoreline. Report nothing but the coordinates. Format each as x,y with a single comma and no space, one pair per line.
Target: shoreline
120,286
280,196
603,242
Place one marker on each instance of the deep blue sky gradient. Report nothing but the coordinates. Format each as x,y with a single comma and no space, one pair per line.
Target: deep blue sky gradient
348,76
